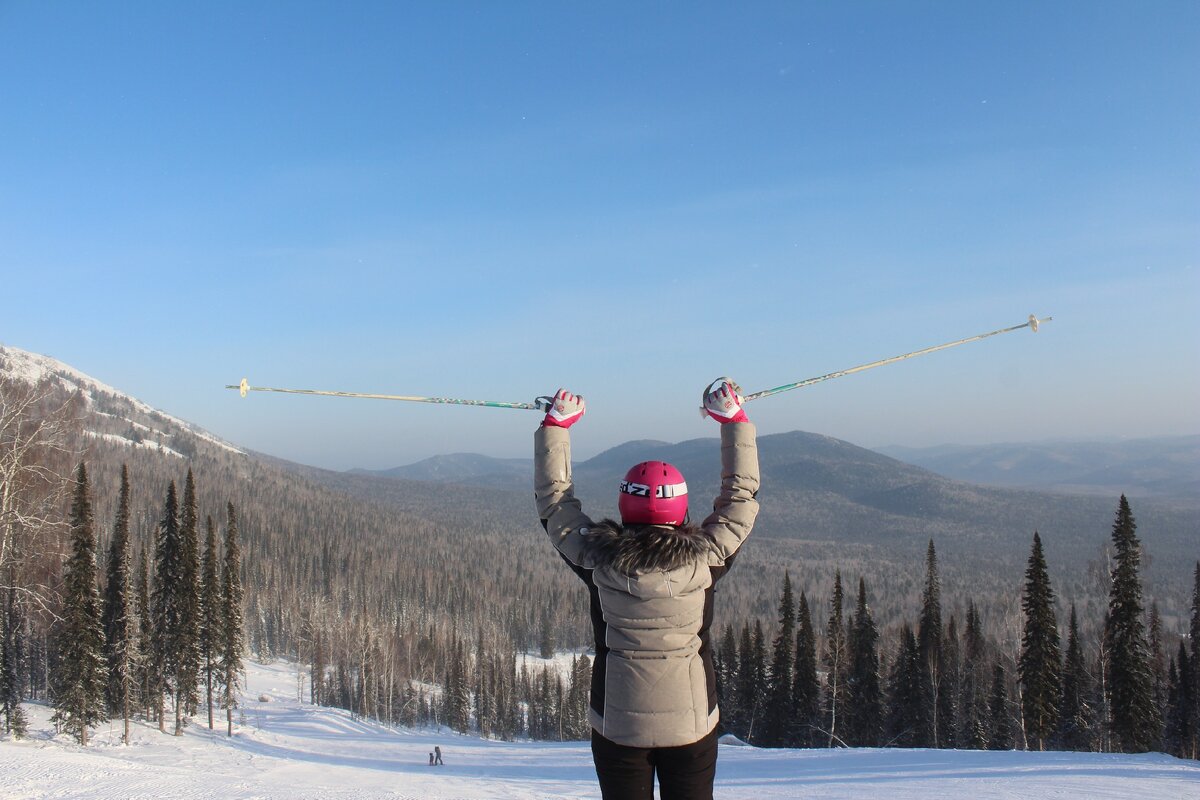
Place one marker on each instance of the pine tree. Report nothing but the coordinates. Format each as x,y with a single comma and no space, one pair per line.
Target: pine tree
1039,663
779,688
806,687
231,619
121,614
1001,717
929,645
79,680
12,662
864,703
1075,717
836,657
1133,716
210,615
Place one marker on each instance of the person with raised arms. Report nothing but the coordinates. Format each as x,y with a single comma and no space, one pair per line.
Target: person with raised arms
653,706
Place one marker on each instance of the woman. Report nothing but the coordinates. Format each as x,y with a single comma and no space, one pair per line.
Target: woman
653,703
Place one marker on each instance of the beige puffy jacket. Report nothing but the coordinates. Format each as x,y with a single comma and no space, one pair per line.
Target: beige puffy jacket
653,683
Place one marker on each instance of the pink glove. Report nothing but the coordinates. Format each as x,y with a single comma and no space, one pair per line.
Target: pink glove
724,403
565,411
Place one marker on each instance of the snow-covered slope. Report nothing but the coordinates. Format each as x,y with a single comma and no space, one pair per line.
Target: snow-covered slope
283,748
113,416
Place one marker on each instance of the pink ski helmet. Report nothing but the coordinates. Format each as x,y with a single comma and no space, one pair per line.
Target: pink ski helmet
653,493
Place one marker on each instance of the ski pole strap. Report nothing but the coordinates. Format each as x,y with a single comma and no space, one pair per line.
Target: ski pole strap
539,404
1032,323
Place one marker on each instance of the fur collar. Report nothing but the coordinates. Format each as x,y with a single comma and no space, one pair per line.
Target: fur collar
638,549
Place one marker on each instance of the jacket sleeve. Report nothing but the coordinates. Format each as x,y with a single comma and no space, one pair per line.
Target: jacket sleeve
558,509
735,508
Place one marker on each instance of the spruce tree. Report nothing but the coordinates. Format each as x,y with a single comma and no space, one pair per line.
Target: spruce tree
929,645
864,703
121,614
166,615
906,695
1194,660
1180,734
210,639
231,619
1039,663
1075,714
746,688
12,661
972,729
950,694
80,679
776,716
806,687
146,675
758,675
1001,718
727,676
187,594
1133,716
836,658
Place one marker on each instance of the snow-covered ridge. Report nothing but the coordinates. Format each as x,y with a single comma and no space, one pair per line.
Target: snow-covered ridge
33,368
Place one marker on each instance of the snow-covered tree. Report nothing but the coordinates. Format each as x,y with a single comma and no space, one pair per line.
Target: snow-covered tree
232,648
79,679
121,614
1039,665
1133,715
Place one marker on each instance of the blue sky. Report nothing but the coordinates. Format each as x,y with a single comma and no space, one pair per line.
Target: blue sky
489,200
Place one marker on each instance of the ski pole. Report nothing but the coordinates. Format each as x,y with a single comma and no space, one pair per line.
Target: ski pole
539,404
1032,323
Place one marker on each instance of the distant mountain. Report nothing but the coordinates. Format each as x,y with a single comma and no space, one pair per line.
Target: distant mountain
1158,467
820,489
470,469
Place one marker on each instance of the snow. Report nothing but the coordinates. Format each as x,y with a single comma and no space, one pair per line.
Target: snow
121,440
288,749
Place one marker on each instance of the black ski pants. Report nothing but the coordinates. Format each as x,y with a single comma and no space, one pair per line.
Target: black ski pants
627,773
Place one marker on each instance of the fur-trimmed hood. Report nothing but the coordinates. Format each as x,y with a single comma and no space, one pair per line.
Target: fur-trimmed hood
638,549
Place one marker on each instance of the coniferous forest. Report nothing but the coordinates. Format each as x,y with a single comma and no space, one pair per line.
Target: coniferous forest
136,579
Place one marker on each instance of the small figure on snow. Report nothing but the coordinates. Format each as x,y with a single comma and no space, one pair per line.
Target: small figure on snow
431,759
437,752
653,700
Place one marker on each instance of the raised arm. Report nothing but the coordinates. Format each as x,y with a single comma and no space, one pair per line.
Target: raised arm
735,508
553,489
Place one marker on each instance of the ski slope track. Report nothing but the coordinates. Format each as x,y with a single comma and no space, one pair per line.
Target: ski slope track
284,748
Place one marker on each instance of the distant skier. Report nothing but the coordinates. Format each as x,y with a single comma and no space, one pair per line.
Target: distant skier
653,700
437,756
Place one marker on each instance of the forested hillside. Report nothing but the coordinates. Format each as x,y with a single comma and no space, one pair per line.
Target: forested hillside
412,598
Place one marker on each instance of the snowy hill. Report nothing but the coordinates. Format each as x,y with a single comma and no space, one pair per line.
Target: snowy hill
111,416
283,748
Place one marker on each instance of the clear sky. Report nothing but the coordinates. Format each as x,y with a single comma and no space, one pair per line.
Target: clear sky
489,200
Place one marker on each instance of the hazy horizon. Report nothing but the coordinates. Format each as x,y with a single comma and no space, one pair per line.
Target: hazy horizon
489,202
